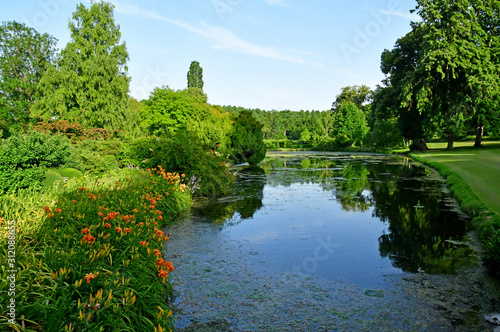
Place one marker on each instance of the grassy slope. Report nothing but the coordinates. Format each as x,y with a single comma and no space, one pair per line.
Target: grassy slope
479,168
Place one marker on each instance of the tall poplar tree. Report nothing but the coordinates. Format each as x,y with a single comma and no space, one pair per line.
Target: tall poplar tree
90,83
195,75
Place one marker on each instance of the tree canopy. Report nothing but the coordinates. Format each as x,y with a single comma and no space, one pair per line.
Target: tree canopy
25,55
89,83
195,76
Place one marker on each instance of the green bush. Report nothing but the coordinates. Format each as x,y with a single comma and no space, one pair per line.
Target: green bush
70,173
183,154
247,143
51,176
25,156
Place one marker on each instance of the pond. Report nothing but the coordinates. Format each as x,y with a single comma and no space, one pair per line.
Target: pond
330,242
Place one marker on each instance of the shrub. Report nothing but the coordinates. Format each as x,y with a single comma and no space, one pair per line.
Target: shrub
25,155
70,173
51,176
247,141
183,154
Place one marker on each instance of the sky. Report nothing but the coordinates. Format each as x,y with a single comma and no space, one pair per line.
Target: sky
268,54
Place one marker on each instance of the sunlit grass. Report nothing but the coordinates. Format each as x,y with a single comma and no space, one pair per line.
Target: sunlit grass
479,168
472,175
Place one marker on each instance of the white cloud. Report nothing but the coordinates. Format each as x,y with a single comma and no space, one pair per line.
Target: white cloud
281,3
222,38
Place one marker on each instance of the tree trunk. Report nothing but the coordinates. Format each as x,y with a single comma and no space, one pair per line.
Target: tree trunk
479,135
451,139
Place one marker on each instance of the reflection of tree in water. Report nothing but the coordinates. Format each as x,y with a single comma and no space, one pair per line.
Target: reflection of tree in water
423,235
349,190
246,198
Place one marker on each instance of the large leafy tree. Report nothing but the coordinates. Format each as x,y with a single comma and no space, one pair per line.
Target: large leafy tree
90,84
195,75
350,125
360,95
389,101
25,55
455,71
169,110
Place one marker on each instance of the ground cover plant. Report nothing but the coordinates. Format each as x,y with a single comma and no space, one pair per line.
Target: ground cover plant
95,259
472,175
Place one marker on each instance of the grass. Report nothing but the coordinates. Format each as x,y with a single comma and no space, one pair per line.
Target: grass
472,175
479,168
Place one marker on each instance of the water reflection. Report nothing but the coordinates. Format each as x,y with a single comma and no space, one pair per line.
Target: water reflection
245,199
424,226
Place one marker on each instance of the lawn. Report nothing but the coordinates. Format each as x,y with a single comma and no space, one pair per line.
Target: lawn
479,168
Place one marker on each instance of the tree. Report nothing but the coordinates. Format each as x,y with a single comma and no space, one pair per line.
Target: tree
195,76
350,125
455,71
90,84
25,55
361,96
169,110
246,140
389,101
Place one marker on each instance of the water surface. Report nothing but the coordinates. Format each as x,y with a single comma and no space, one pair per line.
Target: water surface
327,242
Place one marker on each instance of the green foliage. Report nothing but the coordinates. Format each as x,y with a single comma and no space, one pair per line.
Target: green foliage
247,140
70,173
25,156
305,136
361,96
456,69
206,170
386,133
51,176
124,289
25,55
350,125
94,156
195,76
169,110
89,84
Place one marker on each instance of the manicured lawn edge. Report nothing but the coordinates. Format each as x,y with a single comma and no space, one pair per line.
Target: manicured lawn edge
486,222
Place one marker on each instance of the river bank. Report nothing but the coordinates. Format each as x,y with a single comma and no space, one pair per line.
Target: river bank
472,174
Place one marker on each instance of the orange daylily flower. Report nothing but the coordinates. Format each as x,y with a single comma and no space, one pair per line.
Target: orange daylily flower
119,229
89,238
89,277
127,230
163,274
47,209
157,252
144,243
107,225
85,230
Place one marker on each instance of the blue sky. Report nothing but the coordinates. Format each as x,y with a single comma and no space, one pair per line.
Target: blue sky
268,54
